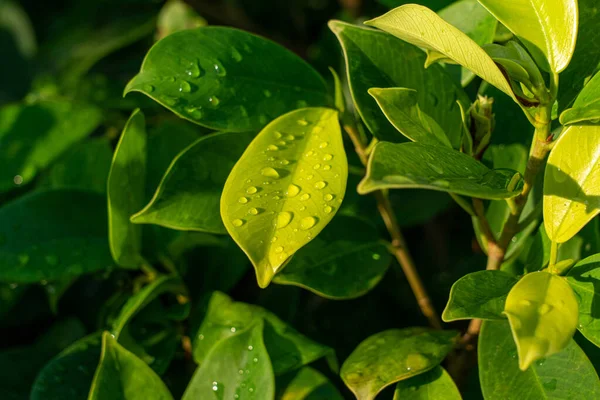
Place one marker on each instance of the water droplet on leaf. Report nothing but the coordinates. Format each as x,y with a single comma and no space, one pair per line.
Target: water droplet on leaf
308,222
283,219
269,172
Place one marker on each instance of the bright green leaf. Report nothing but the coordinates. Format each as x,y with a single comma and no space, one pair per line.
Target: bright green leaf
217,77
542,312
424,28
548,28
394,355
587,105
345,261
44,239
435,384
189,194
285,188
177,16
121,375
584,278
479,295
572,182
413,165
306,384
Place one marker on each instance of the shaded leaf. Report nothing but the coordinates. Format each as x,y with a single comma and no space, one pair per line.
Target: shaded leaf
584,278
587,105
435,384
306,384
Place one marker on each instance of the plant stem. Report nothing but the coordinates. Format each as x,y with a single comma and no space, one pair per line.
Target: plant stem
399,248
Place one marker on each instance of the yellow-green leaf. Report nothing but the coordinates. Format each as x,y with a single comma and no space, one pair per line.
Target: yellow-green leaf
572,182
285,188
542,312
548,28
424,28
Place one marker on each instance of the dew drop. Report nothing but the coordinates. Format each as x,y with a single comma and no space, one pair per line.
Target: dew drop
284,162
255,359
323,145
327,157
233,329
279,249
305,197
327,167
219,69
544,309
283,219
308,222
194,112
441,182
309,177
18,179
170,101
277,134
214,101
292,190
328,209
236,55
148,88
194,70
185,87
317,166
243,200
267,93
238,222
320,185
251,190
328,197
250,348
269,172
290,138
253,211
302,122
376,256
272,147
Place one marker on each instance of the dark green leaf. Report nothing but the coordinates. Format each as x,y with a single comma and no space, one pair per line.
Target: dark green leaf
587,105
306,384
584,278
435,384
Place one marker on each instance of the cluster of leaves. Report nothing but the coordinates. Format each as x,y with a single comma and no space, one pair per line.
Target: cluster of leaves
136,214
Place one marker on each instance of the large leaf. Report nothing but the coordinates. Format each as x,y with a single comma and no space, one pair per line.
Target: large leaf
189,194
572,182
584,278
126,186
368,54
548,28
542,312
481,294
285,188
237,367
32,136
121,375
288,349
424,28
217,77
51,235
345,261
586,106
394,355
435,384
413,165
565,375
306,384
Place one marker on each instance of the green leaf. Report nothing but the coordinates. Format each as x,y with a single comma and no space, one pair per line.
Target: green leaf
33,136
237,367
542,312
480,294
565,375
345,261
414,165
288,349
368,54
587,105
584,278
424,28
285,188
306,384
43,239
126,186
121,375
217,77
400,106
394,355
572,182
548,28
435,384
177,16
189,194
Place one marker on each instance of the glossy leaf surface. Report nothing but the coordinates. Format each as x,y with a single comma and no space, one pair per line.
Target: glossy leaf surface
587,105
583,279
414,165
394,355
435,384
306,384
542,312
572,182
188,196
285,188
480,294
217,77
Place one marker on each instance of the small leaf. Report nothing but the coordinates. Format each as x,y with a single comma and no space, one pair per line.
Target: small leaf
189,194
345,261
402,110
394,355
548,28
306,384
587,105
565,375
414,165
126,187
572,182
584,278
285,188
340,98
237,367
177,16
217,77
542,312
121,375
435,384
422,27
480,294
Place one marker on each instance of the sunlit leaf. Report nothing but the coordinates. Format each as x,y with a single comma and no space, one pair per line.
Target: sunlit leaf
435,384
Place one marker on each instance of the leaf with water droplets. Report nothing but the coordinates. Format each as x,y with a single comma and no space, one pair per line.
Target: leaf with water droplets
567,374
345,261
285,173
217,77
414,165
542,312
306,384
435,384
188,196
583,279
392,356
572,182
237,367
121,375
126,188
